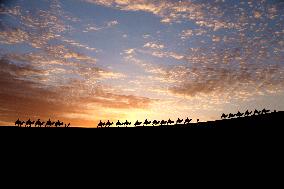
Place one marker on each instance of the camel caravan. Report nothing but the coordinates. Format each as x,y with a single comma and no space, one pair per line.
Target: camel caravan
245,114
145,123
39,123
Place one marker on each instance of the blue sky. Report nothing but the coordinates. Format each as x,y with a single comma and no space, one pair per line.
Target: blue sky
90,60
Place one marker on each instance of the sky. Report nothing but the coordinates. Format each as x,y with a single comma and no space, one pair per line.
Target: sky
82,61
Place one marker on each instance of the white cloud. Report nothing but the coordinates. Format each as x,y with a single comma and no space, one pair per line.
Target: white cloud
153,45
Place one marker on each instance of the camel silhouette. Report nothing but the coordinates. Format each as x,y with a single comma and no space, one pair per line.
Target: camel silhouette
264,111
29,123
67,125
137,123
248,113
49,123
179,121
170,122
58,124
39,123
224,116
239,114
155,122
101,124
126,123
231,115
19,123
256,112
163,122
108,124
187,121
146,122
118,123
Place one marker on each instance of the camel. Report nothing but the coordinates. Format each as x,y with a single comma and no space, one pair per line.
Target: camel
187,121
231,115
146,122
101,124
247,113
224,116
39,123
256,112
108,124
49,123
264,111
137,123
155,122
179,121
118,123
67,125
170,122
163,122
239,114
58,124
29,123
126,123
19,123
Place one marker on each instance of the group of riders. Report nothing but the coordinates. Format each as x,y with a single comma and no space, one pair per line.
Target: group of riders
179,121
145,123
246,114
50,123
39,123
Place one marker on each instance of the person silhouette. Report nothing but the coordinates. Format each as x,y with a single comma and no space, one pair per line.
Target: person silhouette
18,122
108,124
28,122
118,123
37,123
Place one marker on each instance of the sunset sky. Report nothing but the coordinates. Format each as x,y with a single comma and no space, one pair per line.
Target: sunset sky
82,61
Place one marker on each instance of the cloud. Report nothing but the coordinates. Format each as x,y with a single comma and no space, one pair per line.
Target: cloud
206,14
146,36
155,51
55,78
80,45
112,23
23,97
28,98
35,28
13,36
190,33
165,54
154,45
129,51
227,81
94,28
